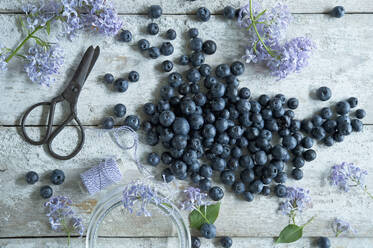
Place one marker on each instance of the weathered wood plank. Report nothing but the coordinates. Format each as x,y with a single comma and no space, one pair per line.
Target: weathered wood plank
185,6
172,242
342,62
21,212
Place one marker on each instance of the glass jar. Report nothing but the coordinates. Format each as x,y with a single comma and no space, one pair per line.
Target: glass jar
110,219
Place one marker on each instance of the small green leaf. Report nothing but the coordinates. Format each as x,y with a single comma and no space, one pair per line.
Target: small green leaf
203,215
290,233
166,204
48,28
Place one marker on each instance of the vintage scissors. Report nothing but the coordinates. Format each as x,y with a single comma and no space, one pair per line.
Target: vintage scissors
71,95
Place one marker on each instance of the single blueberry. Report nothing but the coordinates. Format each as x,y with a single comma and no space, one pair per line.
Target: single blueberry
360,113
342,108
289,142
46,192
167,48
205,184
196,44
205,70
197,59
153,159
328,141
166,158
125,36
196,243
353,101
153,28
208,231
193,33
171,34
222,71
154,52
32,177
309,155
120,110
237,68
280,190
143,44
167,175
293,103
121,85
266,191
226,242
108,123
181,126
323,242
326,113
203,14
193,75
155,11
229,12
297,174
324,93
216,193
318,133
238,187
338,12
281,177
109,78
133,122
209,47
357,125
227,177
248,196
133,76
264,100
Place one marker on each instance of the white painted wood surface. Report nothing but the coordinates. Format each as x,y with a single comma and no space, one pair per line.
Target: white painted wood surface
342,62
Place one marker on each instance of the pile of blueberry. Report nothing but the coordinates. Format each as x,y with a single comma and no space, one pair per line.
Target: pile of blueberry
57,177
121,84
119,111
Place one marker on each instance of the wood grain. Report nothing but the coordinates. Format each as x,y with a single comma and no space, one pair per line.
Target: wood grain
172,242
341,62
238,218
190,7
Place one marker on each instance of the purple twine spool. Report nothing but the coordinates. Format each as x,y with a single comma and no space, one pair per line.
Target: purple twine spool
101,176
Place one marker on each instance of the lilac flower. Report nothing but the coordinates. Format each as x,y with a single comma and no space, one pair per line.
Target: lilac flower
62,217
144,194
292,57
193,198
40,15
340,226
297,200
346,175
70,17
42,63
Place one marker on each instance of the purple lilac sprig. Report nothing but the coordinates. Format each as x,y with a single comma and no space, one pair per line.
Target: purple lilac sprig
340,226
346,176
91,15
193,199
42,63
297,200
62,217
142,194
266,29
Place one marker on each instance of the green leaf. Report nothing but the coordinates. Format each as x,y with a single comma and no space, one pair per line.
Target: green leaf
290,233
48,28
166,204
204,214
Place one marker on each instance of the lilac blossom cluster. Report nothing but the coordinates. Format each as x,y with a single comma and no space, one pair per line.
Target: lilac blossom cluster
346,175
340,226
42,63
144,194
62,217
193,198
297,200
266,30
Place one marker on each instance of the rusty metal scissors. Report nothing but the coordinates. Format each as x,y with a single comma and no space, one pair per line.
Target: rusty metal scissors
71,95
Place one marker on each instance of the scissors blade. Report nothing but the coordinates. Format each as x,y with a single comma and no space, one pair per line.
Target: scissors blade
85,66
96,54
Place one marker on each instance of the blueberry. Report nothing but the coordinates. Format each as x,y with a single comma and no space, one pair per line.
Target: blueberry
342,108
152,138
275,104
143,44
309,155
237,68
256,187
217,90
120,110
205,171
357,125
154,52
166,158
167,48
345,128
193,75
326,113
293,103
264,100
227,177
328,141
226,242
229,12
179,142
248,196
184,60
125,36
208,231
279,152
243,106
290,113
209,47
167,175
178,168
244,93
238,187
260,158
155,11
171,34
323,242
166,118
216,193
324,93
222,71
205,184
193,33
121,85
108,123
46,192
307,142
57,177
307,126
109,78
297,174
318,133
360,113
205,70
197,59
181,126
218,164
338,137
196,44
32,177
153,28
187,107
280,190
289,142
330,126
133,122
338,12
353,101
133,76
266,191
203,14
153,159
195,177
175,79
281,177
196,243
149,108
235,132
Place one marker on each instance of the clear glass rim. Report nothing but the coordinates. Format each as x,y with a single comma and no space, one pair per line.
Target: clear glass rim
114,200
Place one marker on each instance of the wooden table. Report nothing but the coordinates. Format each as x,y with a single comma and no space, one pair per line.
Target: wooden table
342,61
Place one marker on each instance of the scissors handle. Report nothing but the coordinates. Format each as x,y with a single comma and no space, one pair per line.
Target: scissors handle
54,134
44,139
